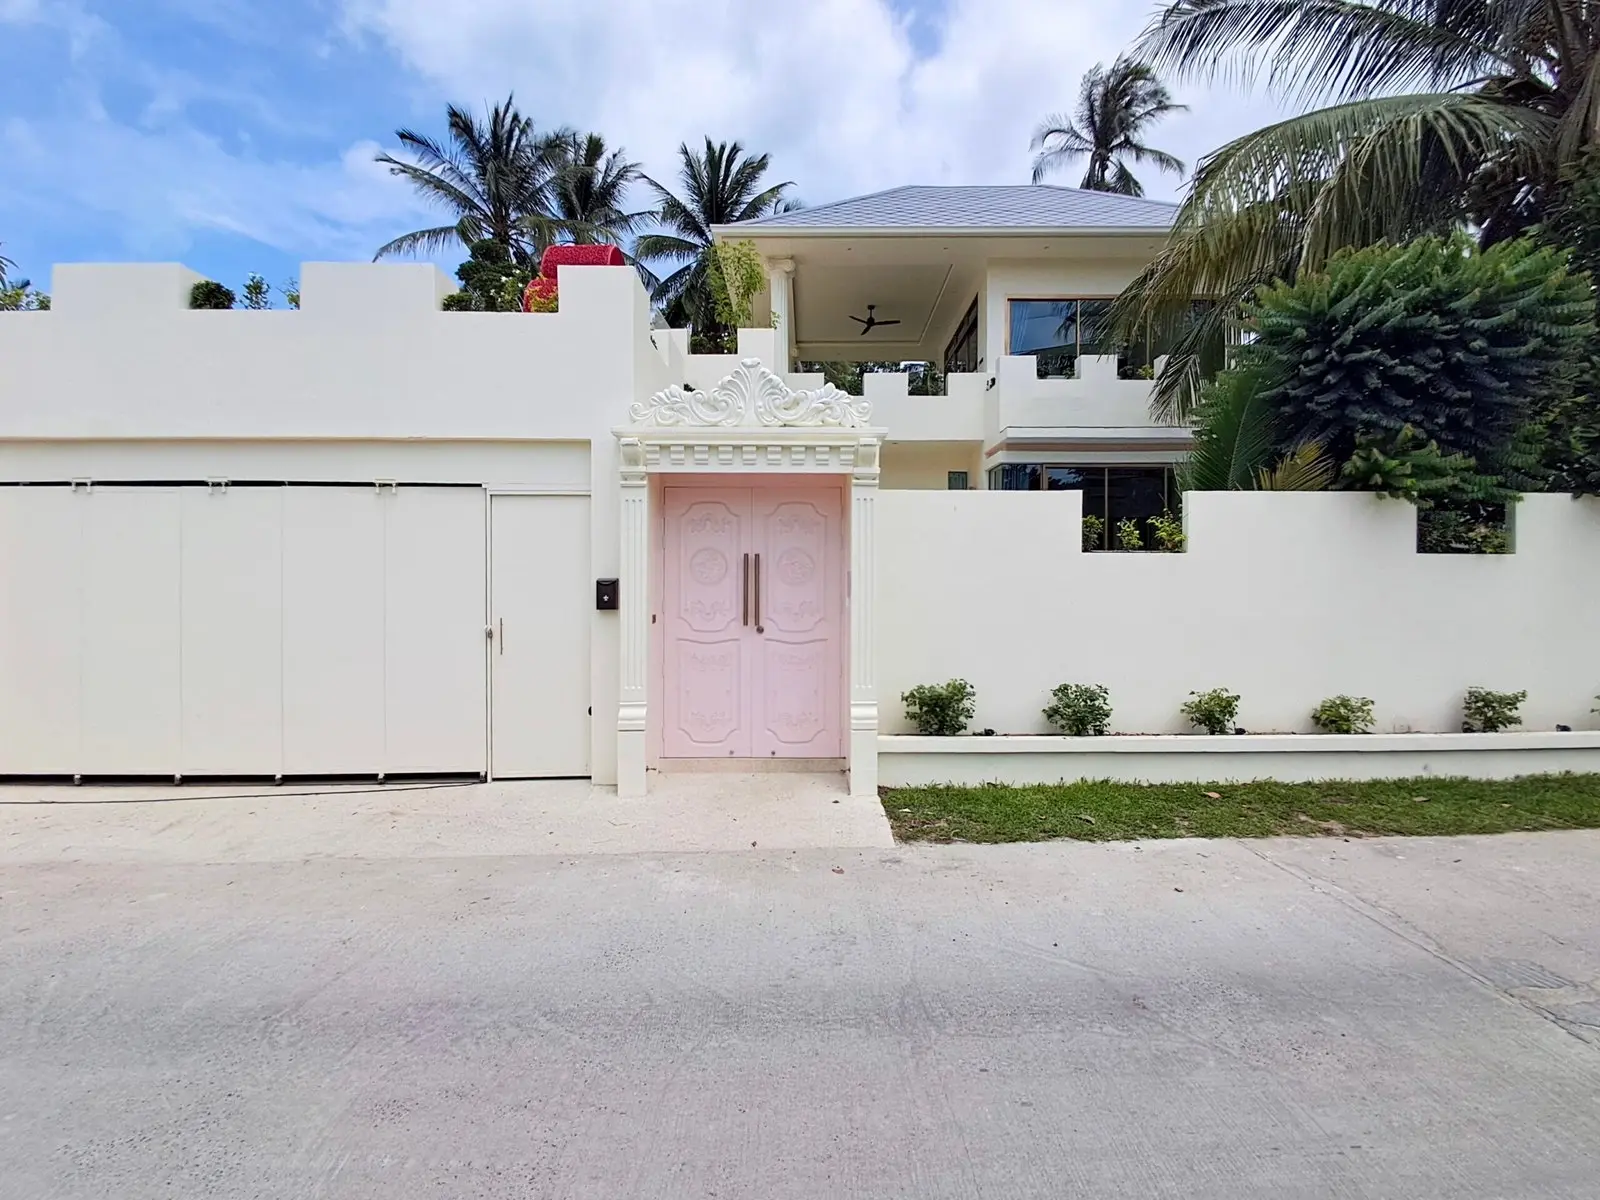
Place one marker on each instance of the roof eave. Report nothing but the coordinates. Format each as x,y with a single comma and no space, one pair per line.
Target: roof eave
753,230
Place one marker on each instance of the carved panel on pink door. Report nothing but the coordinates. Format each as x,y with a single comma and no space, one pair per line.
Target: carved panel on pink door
798,670
705,699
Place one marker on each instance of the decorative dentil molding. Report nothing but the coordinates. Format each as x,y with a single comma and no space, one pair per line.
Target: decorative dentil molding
753,396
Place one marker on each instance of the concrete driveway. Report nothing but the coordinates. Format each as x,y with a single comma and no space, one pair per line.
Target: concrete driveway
1183,1019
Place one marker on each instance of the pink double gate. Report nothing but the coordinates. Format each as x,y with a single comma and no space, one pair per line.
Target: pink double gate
752,622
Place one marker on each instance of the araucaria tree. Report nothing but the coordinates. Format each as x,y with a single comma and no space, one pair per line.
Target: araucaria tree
1115,108
1430,370
718,185
1424,117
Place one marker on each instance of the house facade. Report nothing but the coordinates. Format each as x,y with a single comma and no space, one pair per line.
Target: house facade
372,538
1007,291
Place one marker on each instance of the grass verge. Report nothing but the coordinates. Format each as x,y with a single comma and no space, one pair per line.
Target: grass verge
1106,811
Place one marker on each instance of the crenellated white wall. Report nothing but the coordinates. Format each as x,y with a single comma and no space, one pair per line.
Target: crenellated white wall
1283,597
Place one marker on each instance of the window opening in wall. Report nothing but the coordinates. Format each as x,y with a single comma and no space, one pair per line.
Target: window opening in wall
955,481
1056,332
961,354
1112,494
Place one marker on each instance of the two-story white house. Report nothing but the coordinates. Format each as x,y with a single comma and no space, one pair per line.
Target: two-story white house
1006,289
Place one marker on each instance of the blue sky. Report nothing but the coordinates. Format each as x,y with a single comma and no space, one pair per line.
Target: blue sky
238,135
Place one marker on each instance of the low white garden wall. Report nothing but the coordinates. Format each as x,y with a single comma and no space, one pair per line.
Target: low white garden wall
1182,758
1283,597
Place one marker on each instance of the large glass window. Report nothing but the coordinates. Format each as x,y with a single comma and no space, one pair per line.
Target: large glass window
962,352
1056,332
1113,494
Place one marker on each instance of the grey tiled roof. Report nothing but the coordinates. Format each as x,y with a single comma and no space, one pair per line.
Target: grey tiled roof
1021,206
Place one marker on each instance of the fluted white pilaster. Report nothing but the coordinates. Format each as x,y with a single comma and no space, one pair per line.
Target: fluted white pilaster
632,706
863,622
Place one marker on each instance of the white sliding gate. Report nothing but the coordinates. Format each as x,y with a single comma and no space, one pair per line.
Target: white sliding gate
244,630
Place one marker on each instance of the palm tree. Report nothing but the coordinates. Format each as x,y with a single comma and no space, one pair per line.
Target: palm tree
720,185
1114,109
589,191
1424,115
494,178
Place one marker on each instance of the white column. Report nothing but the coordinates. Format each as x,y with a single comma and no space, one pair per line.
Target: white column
863,622
781,274
634,566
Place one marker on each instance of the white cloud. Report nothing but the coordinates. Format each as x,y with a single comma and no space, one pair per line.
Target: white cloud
833,88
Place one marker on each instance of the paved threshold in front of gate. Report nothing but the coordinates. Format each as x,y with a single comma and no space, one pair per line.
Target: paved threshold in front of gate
684,813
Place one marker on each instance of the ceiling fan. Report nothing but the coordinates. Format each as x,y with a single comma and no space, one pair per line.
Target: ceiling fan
870,321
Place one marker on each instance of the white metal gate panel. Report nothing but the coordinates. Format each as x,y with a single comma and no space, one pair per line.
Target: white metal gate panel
245,630
434,686
132,562
41,593
232,631
542,603
332,631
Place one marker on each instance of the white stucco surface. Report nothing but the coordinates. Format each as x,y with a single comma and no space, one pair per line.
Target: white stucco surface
1284,598
1185,758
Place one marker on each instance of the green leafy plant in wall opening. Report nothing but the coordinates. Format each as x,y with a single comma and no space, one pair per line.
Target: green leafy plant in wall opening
208,293
1486,711
941,709
1128,535
1080,709
1093,531
1215,711
737,273
1343,714
1168,531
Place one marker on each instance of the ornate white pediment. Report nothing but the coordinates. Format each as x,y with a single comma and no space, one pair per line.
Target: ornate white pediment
753,396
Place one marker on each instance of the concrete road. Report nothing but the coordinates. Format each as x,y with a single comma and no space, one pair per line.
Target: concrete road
1185,1019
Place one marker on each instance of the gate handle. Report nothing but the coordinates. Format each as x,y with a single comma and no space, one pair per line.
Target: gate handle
758,594
744,615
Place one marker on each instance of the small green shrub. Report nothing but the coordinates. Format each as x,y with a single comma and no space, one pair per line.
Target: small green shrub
1486,711
1343,714
1080,709
1093,530
941,709
208,293
1128,535
1214,711
1168,531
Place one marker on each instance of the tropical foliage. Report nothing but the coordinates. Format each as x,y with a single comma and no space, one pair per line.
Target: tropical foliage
1425,117
19,295
718,185
499,179
491,280
737,273
1115,107
1428,372
589,191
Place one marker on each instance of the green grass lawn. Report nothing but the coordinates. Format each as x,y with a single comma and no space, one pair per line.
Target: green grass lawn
1105,811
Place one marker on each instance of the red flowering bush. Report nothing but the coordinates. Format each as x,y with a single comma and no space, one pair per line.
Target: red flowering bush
540,296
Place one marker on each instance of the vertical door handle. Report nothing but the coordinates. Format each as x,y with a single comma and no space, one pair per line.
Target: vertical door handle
744,604
758,593
502,637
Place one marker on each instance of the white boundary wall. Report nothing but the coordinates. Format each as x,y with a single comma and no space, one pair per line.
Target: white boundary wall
121,381
1285,598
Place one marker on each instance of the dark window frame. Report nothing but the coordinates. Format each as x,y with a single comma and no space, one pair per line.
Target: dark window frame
1035,476
965,337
